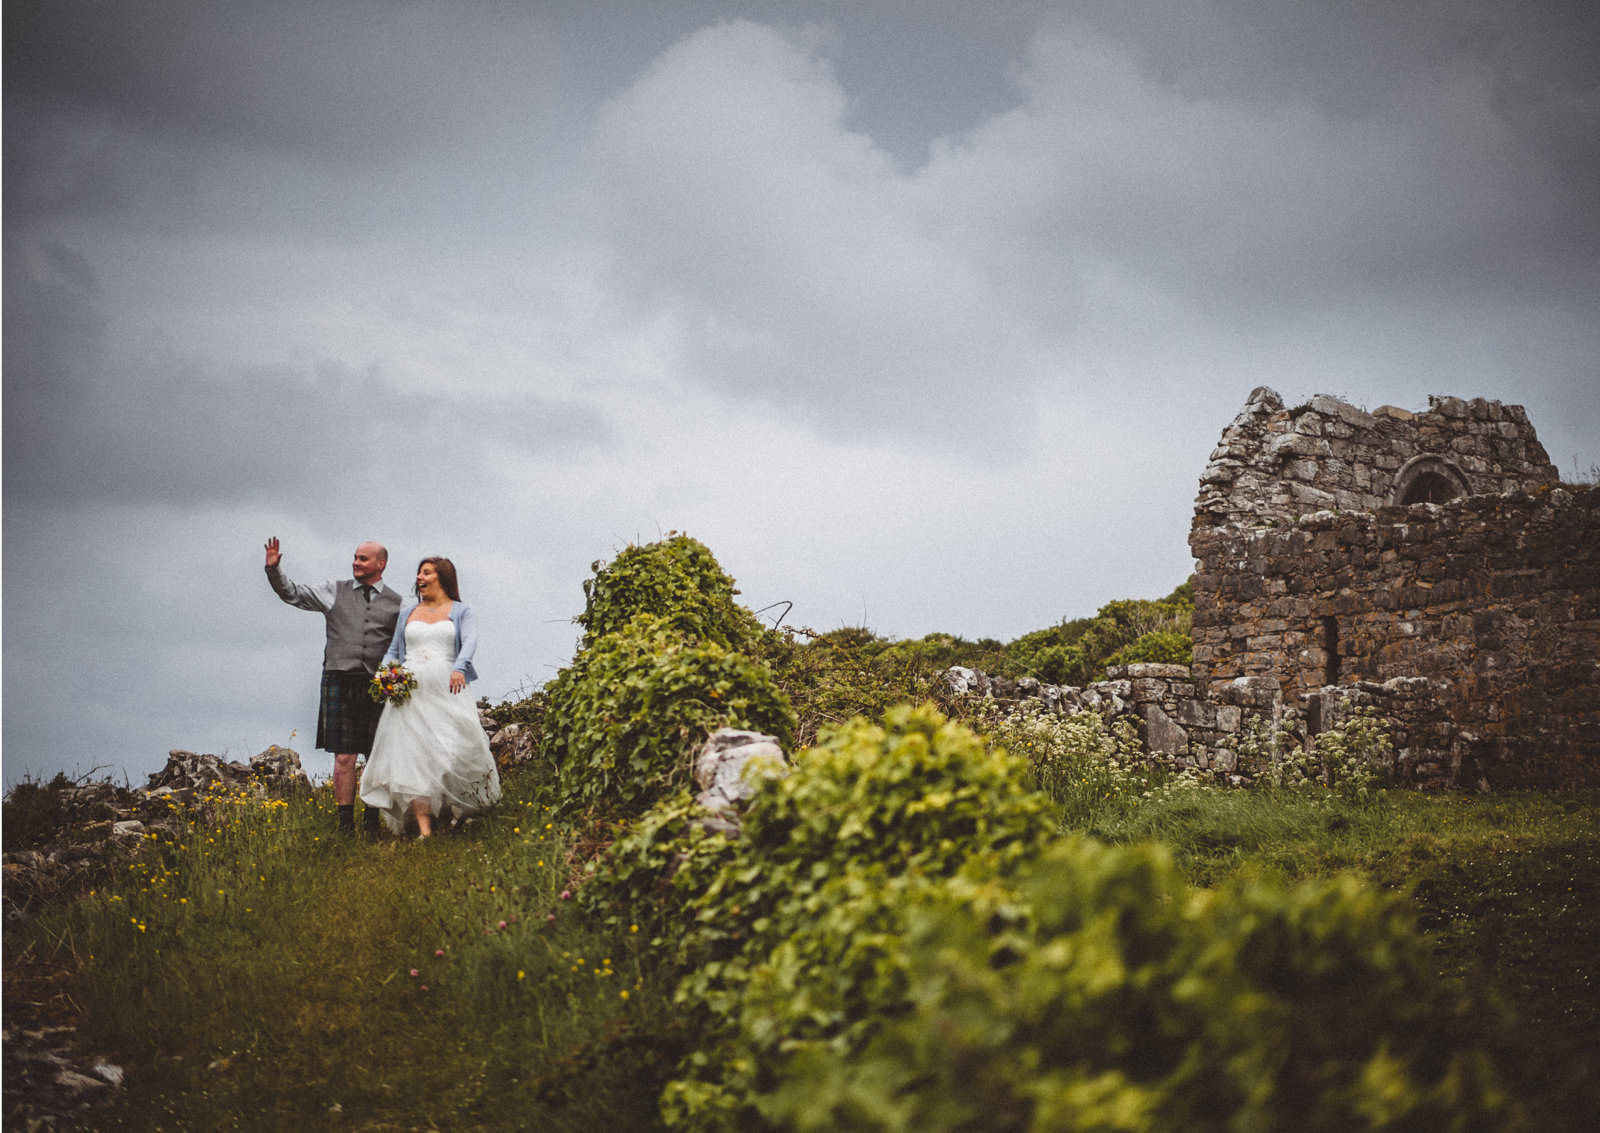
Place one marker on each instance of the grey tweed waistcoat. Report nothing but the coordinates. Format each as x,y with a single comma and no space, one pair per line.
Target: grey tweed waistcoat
359,631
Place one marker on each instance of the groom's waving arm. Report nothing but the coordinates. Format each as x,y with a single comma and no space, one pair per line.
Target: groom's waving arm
317,598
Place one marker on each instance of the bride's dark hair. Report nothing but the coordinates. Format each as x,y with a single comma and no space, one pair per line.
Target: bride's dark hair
446,570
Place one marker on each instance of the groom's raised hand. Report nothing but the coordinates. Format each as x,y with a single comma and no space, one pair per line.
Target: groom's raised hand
274,556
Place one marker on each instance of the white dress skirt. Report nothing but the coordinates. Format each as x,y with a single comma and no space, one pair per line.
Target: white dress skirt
431,747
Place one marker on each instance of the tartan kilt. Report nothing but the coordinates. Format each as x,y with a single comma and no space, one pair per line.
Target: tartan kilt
347,716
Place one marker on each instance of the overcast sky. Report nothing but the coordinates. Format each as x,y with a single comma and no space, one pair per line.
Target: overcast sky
924,315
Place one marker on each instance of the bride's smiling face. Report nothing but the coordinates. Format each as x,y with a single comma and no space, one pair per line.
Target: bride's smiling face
428,582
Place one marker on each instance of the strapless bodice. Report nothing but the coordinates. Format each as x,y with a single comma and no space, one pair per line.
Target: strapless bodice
430,641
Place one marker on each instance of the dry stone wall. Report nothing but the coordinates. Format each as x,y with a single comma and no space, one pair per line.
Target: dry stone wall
1175,722
1229,728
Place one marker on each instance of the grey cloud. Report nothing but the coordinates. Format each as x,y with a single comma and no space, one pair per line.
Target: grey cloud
1532,70
805,265
1256,207
86,424
787,246
190,437
336,78
299,116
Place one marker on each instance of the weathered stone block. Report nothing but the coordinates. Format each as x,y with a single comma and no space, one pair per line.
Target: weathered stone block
1160,733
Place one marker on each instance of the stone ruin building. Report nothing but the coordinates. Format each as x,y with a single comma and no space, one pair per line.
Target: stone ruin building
1429,566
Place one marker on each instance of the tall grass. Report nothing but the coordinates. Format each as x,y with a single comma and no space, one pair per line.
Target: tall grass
261,971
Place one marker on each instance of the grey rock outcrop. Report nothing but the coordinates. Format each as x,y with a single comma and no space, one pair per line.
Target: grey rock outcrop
729,770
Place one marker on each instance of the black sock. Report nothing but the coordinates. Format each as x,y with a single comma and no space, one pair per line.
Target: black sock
347,817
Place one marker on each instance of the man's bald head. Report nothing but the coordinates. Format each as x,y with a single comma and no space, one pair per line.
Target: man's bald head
368,564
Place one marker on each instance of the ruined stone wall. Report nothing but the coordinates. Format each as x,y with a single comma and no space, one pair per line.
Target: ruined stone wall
1273,465
1174,719
1495,599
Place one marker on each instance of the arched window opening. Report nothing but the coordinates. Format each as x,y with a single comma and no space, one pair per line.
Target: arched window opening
1428,480
1430,488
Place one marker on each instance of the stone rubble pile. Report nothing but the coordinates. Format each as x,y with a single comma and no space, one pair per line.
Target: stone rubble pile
101,823
512,745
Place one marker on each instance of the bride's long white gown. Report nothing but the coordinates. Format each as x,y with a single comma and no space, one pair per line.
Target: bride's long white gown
431,747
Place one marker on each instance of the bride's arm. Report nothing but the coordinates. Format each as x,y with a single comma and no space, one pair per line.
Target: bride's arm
466,645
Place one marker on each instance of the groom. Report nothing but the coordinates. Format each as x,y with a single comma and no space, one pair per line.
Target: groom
361,614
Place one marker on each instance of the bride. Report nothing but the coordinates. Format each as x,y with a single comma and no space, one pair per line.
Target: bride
430,753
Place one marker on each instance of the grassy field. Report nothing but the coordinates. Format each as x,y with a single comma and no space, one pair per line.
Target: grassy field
1506,888
263,973
266,973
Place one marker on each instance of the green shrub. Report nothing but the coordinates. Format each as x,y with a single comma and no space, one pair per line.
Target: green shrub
895,943
1160,647
793,932
624,720
1100,992
1121,633
668,657
650,874
35,812
918,794
1056,664
679,582
835,676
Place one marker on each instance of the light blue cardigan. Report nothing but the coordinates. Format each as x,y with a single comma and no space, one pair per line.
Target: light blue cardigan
466,623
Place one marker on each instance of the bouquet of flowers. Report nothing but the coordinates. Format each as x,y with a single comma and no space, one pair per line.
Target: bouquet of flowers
393,683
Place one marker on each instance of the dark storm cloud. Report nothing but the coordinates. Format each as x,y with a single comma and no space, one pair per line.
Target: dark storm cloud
1250,179
307,116
190,438
1263,182
84,424
1400,69
338,79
